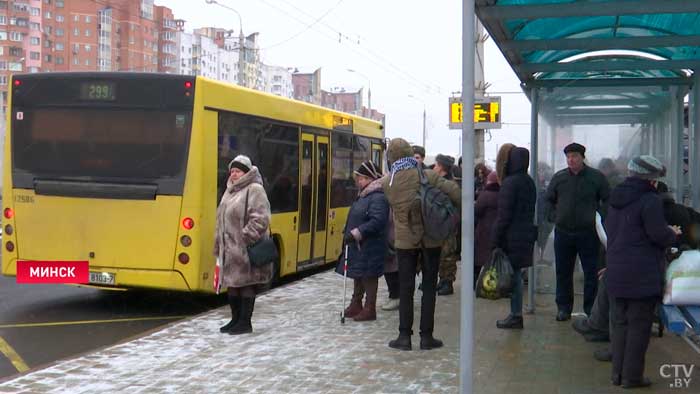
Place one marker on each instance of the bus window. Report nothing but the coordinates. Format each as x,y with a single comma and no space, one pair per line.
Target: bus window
273,148
361,152
343,189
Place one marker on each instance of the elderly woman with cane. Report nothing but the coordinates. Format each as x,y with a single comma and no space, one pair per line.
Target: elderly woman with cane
365,236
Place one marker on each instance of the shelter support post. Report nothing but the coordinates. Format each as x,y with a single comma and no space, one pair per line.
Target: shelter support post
678,147
466,333
534,140
694,146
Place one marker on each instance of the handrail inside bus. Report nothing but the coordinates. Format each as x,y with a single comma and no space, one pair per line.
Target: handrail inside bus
121,191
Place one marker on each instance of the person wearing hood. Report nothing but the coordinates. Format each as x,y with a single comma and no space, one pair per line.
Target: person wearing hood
485,214
573,197
401,189
637,234
242,219
366,237
514,231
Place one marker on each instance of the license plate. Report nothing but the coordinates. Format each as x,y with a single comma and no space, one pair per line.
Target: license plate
102,278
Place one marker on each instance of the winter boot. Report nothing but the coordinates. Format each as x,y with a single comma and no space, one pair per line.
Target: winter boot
427,342
403,342
445,288
512,322
369,312
235,304
243,325
355,306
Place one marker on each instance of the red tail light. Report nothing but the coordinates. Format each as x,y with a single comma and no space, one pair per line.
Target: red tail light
9,213
188,85
188,223
183,258
18,82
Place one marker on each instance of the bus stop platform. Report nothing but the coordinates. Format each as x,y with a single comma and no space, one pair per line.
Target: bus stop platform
298,345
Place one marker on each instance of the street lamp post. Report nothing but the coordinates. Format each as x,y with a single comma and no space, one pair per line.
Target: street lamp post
416,98
241,43
369,88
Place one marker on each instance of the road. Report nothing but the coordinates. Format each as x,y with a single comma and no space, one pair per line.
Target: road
40,324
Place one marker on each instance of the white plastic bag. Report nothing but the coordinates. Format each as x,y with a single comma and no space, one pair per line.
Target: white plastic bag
602,236
683,280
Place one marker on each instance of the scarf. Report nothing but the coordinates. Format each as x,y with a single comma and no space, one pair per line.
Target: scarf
401,164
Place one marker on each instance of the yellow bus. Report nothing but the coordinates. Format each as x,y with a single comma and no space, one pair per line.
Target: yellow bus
125,171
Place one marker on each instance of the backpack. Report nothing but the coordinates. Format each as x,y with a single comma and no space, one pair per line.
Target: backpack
440,217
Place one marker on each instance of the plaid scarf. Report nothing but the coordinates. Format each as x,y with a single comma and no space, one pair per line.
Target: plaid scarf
401,164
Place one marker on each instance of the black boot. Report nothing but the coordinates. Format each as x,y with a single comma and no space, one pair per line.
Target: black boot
427,342
515,322
403,342
235,304
445,288
243,325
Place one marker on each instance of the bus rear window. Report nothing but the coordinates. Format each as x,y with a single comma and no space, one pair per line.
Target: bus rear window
130,145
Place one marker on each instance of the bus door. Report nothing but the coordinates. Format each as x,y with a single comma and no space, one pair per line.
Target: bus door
313,211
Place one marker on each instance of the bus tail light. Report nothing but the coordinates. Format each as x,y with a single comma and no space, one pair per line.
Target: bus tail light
185,240
18,82
10,246
188,223
9,213
8,229
183,258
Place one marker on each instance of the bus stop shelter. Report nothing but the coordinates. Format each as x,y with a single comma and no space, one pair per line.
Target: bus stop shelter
630,65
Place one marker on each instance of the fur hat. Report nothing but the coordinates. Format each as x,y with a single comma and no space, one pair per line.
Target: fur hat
417,149
398,148
646,167
241,162
445,161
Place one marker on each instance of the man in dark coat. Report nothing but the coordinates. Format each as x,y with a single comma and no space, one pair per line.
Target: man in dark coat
637,236
574,196
514,231
366,237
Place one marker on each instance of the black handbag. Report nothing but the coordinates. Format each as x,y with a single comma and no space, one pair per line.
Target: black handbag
264,250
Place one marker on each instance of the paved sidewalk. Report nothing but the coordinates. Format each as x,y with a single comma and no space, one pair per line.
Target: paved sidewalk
299,346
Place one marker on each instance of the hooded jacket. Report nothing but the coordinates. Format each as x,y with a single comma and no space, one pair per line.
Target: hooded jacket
637,236
234,234
514,231
401,194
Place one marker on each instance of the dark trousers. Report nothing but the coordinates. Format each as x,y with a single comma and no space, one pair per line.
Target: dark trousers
392,283
632,320
566,246
599,318
408,258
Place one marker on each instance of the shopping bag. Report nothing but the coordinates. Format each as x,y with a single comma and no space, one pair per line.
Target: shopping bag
496,277
683,280
217,276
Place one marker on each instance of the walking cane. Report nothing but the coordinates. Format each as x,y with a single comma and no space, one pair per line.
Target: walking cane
345,277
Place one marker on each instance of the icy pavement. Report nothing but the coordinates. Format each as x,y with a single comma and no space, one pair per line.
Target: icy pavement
299,346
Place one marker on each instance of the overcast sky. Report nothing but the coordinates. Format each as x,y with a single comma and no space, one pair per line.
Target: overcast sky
403,48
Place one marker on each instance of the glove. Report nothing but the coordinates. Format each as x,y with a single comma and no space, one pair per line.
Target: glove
348,238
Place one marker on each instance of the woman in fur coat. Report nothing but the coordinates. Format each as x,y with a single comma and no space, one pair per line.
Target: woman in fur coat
237,228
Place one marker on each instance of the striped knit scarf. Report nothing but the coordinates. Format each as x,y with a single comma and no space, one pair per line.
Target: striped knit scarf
401,164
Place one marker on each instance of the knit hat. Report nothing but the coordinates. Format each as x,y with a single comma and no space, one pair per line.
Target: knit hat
445,161
417,149
646,167
368,169
492,178
575,147
241,162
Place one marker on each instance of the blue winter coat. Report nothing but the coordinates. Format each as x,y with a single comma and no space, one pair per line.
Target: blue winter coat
370,215
637,236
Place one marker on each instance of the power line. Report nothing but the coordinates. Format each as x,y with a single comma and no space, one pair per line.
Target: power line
312,24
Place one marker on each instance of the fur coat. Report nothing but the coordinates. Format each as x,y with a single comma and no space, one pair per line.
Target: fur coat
233,235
